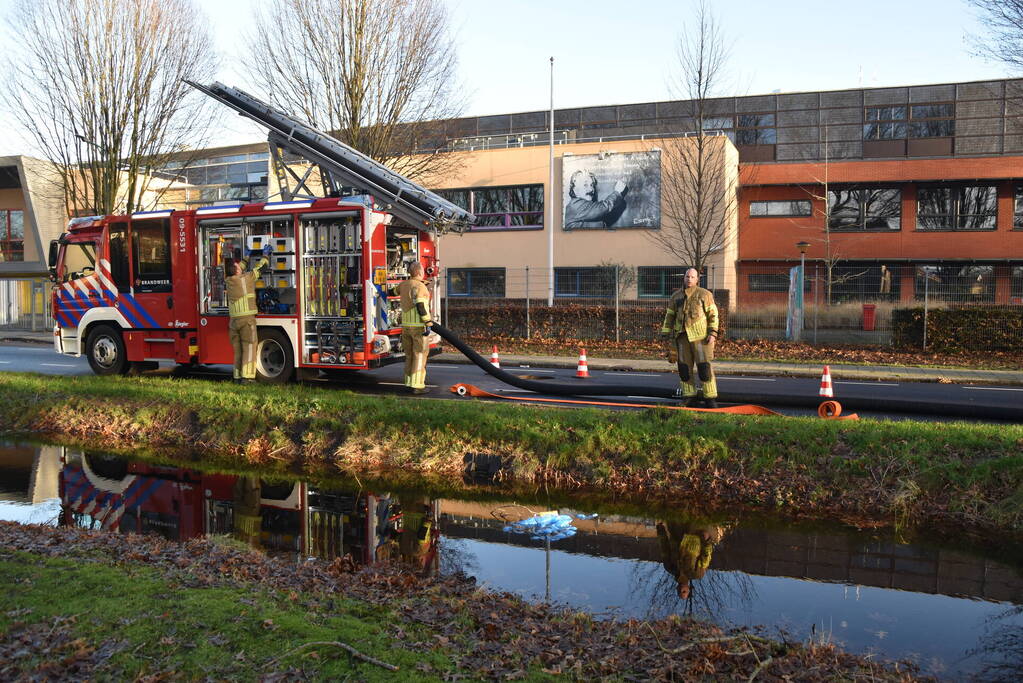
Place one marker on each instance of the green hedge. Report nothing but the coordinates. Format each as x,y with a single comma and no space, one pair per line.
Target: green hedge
977,328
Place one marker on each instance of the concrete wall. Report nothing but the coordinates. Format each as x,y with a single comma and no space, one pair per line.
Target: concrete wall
41,199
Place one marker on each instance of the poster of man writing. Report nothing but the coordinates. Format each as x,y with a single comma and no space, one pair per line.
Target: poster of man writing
612,190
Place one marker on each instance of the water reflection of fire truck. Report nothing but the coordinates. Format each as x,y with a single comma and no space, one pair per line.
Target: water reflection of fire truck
178,503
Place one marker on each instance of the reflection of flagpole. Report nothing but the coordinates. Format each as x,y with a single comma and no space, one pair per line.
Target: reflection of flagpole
547,545
550,203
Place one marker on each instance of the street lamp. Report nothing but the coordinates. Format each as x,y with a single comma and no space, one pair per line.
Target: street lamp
802,246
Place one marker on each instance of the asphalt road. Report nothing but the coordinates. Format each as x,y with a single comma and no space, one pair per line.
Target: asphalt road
388,380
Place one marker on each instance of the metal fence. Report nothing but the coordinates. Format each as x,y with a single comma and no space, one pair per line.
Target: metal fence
25,305
843,302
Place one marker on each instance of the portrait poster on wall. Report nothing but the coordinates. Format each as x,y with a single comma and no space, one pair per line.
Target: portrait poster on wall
612,190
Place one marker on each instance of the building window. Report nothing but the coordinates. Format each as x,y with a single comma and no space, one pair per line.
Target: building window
722,123
775,282
481,282
917,121
931,121
1016,285
864,209
1017,214
661,281
755,129
515,207
955,282
959,207
795,207
851,281
584,282
12,235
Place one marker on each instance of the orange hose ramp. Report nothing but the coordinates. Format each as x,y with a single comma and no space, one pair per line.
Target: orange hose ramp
463,389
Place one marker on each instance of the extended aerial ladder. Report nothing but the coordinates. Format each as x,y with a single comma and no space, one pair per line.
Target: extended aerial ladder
341,166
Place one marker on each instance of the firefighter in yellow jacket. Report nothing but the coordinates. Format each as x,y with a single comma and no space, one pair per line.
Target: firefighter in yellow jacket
415,325
691,321
241,302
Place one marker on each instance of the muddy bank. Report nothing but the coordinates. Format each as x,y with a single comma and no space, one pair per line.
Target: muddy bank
956,475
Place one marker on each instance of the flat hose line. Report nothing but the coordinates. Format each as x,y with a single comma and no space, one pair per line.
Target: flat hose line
874,404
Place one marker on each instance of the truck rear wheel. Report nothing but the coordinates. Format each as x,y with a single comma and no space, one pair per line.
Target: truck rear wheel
275,363
105,350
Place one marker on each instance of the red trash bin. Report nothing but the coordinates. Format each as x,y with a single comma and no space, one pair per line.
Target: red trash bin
868,317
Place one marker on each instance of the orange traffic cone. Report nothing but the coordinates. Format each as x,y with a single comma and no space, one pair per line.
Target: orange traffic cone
494,359
826,389
582,370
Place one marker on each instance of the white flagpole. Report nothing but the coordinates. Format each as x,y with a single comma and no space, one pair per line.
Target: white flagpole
550,203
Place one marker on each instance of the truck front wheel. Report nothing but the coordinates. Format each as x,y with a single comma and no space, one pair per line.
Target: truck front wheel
275,362
105,349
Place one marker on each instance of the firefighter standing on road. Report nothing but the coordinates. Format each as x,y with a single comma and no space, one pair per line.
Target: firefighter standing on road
415,325
691,321
241,301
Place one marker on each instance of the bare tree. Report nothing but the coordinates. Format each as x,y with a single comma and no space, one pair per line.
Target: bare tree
377,74
700,182
1003,41
841,209
100,91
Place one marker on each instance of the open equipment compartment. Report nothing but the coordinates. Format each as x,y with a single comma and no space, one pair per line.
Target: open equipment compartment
333,301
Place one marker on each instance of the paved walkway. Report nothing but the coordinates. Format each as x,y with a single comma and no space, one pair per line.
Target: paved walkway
724,367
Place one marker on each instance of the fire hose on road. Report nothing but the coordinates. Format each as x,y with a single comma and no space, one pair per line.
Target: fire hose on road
874,404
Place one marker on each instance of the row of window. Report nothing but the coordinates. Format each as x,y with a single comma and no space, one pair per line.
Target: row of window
849,281
859,281
597,282
880,123
916,121
12,235
944,207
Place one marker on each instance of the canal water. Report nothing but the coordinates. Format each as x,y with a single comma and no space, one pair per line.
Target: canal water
957,613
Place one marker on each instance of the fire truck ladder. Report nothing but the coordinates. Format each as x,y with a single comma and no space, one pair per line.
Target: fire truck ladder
341,166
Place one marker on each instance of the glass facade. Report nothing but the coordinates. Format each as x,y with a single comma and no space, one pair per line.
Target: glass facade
917,121
236,177
512,207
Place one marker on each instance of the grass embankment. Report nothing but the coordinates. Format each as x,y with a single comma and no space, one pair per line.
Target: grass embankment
81,605
958,474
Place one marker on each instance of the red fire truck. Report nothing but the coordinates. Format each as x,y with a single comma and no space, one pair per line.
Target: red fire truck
134,290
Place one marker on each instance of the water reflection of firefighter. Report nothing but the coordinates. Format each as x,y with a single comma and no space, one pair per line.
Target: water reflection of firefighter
686,551
406,531
248,519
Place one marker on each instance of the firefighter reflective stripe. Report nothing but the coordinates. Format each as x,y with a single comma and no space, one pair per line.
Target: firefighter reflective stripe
241,291
417,349
244,339
693,311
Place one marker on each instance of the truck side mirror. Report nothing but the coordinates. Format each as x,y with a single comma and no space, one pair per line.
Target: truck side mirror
52,261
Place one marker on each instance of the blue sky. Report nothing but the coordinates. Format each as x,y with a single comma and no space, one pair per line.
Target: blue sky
620,52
